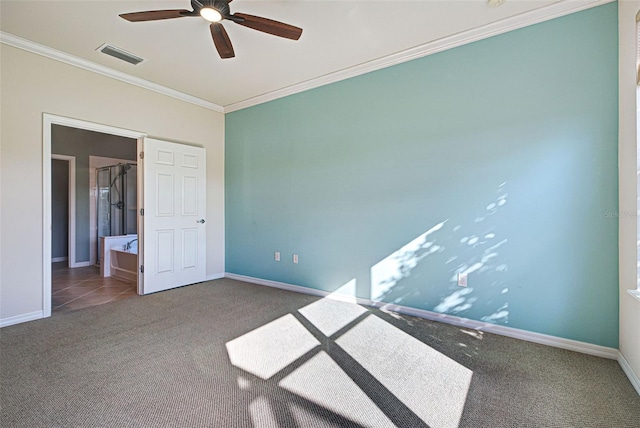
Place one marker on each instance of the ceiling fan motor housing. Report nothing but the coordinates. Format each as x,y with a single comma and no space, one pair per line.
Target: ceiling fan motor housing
221,6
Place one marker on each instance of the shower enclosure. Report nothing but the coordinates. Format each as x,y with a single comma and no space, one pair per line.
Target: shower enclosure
116,199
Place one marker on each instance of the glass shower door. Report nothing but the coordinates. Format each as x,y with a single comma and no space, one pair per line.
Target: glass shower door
104,205
130,200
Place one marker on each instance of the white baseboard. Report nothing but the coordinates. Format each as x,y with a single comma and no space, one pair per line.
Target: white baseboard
280,285
72,264
543,339
5,322
215,276
81,264
529,336
626,368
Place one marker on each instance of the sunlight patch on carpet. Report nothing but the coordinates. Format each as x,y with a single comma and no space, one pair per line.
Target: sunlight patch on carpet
270,348
261,413
329,316
321,381
429,383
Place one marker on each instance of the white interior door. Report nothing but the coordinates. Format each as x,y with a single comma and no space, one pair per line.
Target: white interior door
173,250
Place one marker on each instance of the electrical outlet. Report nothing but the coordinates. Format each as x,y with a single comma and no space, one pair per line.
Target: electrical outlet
295,258
276,256
462,279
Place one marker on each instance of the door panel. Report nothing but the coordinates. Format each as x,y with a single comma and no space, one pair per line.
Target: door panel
174,252
190,195
190,254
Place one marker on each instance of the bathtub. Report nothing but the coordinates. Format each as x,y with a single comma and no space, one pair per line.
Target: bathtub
108,243
124,264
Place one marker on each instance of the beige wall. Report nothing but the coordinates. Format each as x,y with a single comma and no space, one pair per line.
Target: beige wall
629,307
32,85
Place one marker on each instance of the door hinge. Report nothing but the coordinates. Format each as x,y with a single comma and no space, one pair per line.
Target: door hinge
142,211
141,268
141,155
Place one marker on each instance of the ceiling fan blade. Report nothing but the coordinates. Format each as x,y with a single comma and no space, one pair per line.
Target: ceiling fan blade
270,26
221,40
155,15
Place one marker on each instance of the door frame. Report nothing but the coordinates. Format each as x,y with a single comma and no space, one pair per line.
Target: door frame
48,120
71,218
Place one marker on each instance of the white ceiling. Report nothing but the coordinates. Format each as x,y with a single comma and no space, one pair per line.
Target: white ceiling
340,38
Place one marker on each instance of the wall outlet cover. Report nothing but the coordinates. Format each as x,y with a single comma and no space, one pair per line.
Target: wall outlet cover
462,279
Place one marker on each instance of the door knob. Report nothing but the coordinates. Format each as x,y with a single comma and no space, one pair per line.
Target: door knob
201,221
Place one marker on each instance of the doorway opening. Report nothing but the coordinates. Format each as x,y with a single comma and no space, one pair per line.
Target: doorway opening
63,210
77,282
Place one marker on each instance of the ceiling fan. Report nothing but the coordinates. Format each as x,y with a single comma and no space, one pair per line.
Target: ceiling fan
215,11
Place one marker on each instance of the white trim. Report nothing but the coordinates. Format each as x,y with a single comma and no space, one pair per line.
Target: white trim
36,48
46,217
555,10
214,276
626,368
526,19
5,322
83,264
47,121
635,294
628,119
92,126
59,259
71,252
543,339
139,209
529,336
281,285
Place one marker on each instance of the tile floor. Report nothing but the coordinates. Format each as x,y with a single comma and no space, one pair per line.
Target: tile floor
78,288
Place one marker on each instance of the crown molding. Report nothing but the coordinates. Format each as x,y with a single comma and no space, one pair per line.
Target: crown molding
36,48
556,10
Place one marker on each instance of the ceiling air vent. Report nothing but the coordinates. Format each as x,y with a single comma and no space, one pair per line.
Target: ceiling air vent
116,52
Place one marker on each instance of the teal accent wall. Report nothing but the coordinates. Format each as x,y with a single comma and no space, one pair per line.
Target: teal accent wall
497,158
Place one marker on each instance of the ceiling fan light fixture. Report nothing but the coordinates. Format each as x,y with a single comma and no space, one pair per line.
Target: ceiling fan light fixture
214,11
210,14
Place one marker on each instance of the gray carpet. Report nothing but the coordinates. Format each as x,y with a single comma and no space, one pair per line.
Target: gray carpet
230,354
